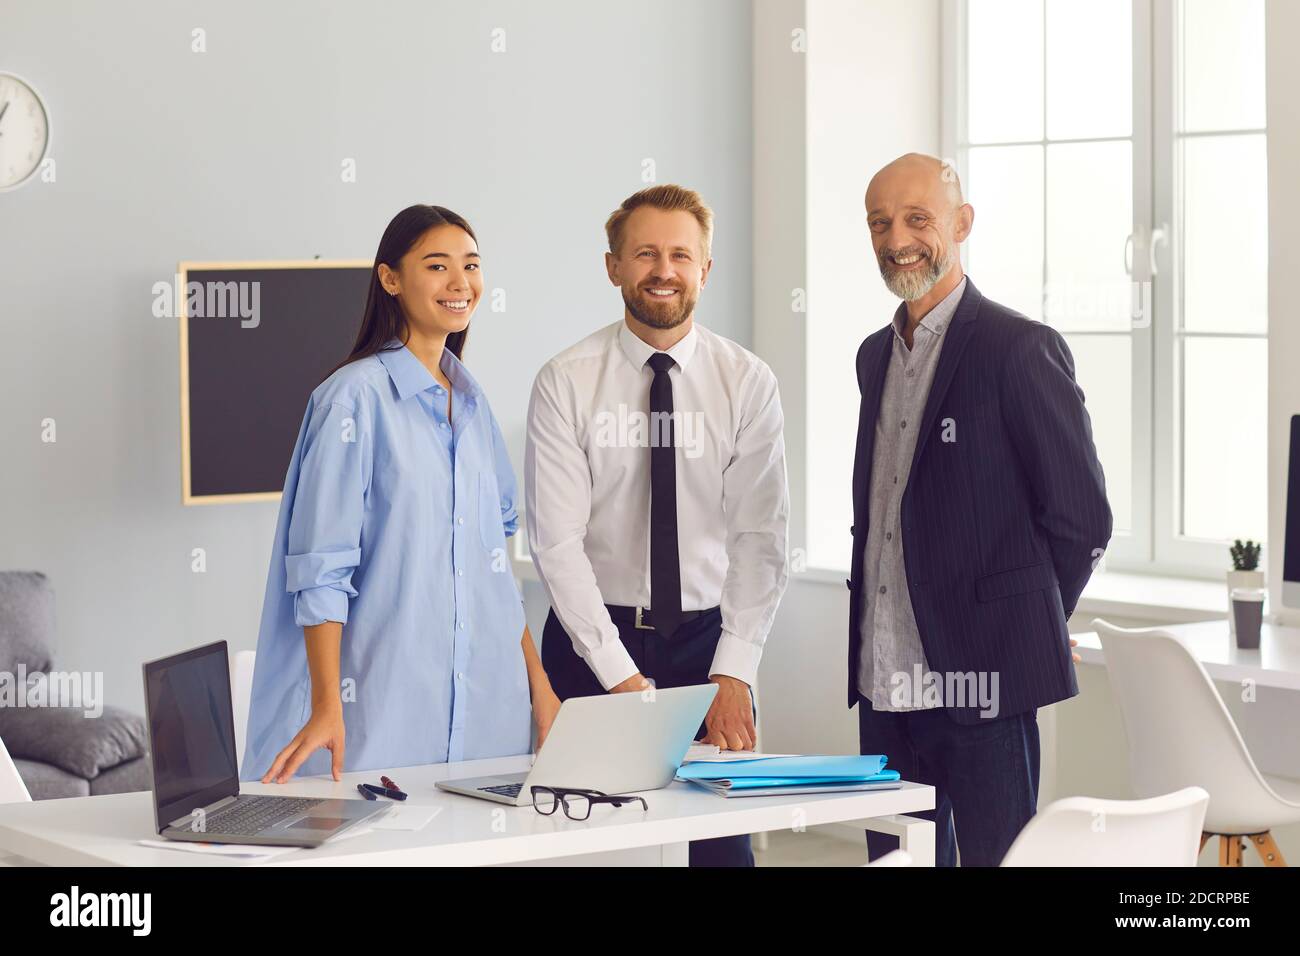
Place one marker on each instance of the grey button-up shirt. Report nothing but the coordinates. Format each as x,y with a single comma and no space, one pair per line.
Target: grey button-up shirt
891,643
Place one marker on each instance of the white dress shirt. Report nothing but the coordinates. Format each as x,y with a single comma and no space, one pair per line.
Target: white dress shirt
587,491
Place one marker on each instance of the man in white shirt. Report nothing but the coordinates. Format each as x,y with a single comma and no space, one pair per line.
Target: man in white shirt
656,498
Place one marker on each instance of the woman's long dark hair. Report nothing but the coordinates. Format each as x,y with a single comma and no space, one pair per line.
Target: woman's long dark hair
383,316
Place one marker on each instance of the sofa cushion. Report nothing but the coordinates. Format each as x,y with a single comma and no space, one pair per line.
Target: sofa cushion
50,783
71,741
124,778
26,621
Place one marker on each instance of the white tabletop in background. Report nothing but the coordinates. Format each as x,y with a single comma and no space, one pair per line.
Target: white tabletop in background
1276,663
101,830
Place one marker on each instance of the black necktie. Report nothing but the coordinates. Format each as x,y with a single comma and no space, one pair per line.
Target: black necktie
665,566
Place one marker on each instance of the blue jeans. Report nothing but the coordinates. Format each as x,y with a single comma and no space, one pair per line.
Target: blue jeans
985,777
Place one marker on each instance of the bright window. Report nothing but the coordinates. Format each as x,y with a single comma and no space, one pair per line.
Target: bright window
1144,243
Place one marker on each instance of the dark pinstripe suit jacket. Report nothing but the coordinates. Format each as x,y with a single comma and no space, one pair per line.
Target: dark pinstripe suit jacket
1002,525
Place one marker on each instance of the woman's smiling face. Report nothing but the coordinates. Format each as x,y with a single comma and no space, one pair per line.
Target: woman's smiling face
439,281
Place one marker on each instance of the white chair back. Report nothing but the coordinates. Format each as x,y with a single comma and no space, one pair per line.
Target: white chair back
1087,831
1179,732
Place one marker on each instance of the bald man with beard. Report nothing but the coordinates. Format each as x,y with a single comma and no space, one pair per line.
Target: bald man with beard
979,512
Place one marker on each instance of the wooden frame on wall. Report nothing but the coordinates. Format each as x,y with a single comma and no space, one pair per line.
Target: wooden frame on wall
183,270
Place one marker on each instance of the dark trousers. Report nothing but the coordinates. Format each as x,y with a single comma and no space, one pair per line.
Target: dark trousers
985,777
676,661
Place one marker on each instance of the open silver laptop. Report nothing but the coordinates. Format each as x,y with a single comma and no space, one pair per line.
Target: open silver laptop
615,743
195,774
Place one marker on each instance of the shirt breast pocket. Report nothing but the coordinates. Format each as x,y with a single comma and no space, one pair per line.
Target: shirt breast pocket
490,528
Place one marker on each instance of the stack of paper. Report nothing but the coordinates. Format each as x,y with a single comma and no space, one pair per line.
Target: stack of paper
766,775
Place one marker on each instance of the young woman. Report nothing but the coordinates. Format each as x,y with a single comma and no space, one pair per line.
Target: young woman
392,632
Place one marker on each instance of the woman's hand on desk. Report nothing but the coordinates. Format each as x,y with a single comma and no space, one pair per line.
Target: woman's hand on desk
545,706
324,729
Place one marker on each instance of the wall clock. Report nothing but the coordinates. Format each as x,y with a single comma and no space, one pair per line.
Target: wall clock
24,131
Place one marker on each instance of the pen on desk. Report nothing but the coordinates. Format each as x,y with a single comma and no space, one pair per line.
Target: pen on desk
384,791
366,793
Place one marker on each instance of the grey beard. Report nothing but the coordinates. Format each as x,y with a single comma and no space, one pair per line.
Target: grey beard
910,286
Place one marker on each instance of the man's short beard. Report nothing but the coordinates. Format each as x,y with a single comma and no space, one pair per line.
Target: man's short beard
669,315
910,285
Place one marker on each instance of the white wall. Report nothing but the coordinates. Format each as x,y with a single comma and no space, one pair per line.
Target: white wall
1282,79
873,93
163,154
887,53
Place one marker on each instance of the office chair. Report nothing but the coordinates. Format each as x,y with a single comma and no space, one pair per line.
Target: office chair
1088,831
1180,734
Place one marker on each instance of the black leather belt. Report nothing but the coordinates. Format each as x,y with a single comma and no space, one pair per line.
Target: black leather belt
641,617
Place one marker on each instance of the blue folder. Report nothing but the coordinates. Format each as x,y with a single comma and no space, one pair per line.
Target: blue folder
790,771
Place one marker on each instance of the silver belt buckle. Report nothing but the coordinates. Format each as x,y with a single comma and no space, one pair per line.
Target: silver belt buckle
644,627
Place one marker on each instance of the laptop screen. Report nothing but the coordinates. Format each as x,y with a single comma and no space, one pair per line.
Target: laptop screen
191,731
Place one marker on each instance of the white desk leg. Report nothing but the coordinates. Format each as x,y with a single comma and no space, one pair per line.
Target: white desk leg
915,835
675,854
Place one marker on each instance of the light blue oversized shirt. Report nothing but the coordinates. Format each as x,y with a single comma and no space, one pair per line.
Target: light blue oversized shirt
394,522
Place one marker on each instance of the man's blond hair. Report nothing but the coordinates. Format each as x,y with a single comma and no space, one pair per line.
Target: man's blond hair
669,197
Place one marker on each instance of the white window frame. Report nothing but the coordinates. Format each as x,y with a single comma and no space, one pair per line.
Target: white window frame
1155,543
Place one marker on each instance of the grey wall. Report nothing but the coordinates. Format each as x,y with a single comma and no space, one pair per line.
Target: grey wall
164,154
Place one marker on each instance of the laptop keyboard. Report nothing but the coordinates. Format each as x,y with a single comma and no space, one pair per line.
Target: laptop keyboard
251,816
504,789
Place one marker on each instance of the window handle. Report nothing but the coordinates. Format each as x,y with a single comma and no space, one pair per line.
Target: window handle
1158,235
1128,254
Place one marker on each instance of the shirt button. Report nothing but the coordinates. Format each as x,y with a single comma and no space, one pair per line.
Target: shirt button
895,479
889,536
460,572
903,423
460,676
462,625
909,373
882,589
460,521
444,425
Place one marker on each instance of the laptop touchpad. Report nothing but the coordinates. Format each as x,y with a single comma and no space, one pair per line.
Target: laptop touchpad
317,823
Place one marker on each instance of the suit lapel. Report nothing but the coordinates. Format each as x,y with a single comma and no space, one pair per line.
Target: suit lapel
959,333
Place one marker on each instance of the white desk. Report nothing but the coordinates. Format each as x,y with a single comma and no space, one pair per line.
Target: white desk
93,831
1276,663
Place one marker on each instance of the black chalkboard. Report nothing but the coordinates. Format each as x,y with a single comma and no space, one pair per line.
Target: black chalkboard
246,373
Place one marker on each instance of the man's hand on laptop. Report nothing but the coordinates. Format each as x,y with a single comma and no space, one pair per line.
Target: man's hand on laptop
324,729
730,720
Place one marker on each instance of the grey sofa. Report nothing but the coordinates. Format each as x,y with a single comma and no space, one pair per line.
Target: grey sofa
59,752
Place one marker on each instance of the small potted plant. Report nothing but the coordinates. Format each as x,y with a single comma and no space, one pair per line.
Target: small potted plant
1245,571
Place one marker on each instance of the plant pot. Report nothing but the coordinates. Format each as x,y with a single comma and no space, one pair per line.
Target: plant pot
1241,579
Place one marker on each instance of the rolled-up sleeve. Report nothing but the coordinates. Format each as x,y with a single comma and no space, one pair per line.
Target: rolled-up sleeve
328,507
506,484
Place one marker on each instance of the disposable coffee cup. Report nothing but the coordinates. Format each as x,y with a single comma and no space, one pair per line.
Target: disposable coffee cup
1248,615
